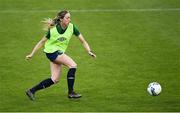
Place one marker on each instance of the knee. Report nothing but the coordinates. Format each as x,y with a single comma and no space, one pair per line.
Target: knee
73,65
55,79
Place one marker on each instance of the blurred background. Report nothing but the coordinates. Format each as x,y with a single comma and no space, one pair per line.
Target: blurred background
136,42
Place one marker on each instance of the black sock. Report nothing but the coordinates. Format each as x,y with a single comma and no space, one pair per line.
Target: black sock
71,79
43,84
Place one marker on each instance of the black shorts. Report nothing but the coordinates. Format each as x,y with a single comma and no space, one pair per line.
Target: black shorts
52,56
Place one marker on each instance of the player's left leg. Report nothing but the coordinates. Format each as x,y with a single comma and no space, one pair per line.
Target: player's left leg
69,62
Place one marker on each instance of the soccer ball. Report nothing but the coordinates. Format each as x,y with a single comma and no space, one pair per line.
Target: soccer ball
154,88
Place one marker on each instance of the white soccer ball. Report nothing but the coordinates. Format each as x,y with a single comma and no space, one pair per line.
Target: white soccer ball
154,89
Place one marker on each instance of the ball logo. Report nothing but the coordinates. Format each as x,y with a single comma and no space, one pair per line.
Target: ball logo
61,39
154,89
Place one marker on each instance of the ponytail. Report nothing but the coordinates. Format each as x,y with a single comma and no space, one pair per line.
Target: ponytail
49,23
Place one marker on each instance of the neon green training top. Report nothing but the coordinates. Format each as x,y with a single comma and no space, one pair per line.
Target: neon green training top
58,41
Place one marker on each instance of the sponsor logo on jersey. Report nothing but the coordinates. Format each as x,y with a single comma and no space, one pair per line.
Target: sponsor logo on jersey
61,39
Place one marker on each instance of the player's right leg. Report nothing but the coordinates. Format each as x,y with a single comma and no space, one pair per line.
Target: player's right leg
55,73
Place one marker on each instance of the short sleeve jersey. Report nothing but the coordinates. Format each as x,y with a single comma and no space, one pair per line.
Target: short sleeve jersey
61,31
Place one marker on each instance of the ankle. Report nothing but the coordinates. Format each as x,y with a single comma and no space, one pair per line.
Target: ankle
69,92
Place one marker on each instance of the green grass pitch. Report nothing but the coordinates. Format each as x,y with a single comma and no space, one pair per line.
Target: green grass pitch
134,47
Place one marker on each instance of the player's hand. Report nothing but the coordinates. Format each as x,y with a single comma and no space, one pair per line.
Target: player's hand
92,54
28,57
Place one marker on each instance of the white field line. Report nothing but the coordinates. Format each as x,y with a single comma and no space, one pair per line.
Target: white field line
93,10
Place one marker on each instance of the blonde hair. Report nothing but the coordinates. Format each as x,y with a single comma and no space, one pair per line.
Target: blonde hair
49,22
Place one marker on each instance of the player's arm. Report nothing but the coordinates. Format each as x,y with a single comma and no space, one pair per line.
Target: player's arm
86,45
37,47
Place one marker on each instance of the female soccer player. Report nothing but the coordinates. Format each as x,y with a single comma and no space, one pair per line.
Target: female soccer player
55,42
